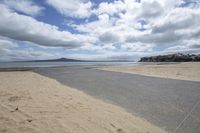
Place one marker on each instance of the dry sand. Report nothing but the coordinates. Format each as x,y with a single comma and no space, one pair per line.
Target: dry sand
31,103
183,71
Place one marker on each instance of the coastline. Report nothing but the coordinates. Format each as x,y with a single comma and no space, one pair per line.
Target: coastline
34,103
181,71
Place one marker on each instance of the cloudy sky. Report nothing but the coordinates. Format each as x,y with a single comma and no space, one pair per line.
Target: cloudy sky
97,29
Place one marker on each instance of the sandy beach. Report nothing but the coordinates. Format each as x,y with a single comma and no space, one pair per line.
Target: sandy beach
31,103
182,71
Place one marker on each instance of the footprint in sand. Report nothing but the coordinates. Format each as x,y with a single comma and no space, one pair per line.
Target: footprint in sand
119,130
14,98
3,131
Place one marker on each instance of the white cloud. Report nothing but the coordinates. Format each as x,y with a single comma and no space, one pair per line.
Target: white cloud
12,50
110,8
179,18
138,47
25,28
6,43
25,54
25,6
109,37
72,8
109,55
143,27
150,10
120,29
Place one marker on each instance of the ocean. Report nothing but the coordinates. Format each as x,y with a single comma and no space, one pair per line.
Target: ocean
58,64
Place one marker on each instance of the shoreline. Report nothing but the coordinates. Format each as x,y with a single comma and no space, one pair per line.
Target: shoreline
33,103
189,71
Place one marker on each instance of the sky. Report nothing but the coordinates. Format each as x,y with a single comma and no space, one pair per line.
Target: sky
97,29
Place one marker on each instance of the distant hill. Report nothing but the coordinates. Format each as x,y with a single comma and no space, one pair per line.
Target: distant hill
57,60
74,60
171,58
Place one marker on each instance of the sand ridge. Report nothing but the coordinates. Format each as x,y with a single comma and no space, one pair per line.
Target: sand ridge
31,103
182,71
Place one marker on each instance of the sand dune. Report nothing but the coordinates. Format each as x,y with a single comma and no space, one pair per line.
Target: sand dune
31,103
183,71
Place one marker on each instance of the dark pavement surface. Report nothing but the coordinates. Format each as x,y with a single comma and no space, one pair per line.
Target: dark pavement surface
170,104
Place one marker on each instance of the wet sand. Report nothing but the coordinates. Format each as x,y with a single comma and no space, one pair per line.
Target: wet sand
167,103
31,103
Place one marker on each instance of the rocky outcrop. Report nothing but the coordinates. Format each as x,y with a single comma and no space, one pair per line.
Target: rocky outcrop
172,58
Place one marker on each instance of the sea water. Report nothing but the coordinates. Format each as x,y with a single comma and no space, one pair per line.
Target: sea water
58,64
